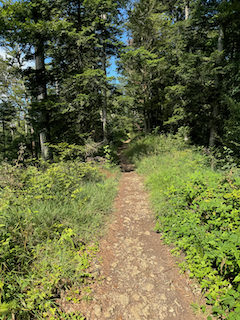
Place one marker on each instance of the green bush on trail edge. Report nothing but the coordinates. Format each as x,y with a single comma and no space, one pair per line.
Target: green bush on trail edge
198,211
50,221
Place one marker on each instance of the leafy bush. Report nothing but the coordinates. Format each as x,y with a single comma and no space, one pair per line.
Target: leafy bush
198,210
48,215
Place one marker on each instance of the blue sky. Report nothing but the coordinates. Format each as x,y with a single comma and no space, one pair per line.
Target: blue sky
111,70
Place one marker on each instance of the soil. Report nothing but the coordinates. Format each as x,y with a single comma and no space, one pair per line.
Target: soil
140,277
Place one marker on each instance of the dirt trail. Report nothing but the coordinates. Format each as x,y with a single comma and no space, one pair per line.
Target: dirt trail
141,279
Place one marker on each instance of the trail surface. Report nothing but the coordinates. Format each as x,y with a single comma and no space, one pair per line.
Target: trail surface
141,279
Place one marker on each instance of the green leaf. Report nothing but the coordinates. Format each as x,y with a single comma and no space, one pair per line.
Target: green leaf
218,310
237,278
4,307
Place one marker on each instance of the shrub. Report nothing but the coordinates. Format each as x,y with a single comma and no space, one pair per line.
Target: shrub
48,215
197,210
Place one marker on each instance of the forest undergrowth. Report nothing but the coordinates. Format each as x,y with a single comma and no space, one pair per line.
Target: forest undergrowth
52,216
198,211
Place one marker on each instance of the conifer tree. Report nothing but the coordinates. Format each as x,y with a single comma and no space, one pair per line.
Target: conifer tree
67,40
192,84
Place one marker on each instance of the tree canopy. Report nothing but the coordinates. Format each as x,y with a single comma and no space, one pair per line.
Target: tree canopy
179,70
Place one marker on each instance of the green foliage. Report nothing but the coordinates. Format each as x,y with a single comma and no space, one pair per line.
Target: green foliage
75,36
181,68
65,151
198,211
153,144
48,216
120,127
68,316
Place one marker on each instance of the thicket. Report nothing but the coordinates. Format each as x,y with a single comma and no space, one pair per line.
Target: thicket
51,218
197,210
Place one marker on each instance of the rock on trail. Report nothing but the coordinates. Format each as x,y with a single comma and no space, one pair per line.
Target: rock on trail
141,280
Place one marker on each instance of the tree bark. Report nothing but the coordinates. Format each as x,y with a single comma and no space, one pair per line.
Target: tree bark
33,143
149,121
214,127
186,10
104,110
4,140
145,123
41,94
104,93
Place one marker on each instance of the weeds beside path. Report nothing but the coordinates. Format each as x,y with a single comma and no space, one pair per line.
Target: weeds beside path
141,280
51,217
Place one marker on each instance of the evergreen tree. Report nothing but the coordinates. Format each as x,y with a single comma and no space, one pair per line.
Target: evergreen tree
70,42
196,47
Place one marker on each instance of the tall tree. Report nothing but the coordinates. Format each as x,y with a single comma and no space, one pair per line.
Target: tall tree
191,85
143,64
72,37
28,24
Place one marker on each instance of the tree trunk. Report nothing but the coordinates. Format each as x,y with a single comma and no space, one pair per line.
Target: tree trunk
145,113
42,93
12,134
4,140
56,87
186,10
104,93
214,128
145,123
104,110
33,143
149,121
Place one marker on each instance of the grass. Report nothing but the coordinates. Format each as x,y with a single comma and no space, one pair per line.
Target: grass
50,223
152,145
198,210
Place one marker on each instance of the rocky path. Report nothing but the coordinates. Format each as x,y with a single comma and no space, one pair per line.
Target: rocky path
141,280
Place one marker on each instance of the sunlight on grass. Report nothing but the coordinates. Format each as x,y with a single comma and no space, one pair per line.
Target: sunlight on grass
51,220
197,210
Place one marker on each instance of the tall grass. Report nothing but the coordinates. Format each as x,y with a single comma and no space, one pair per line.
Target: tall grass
152,145
50,222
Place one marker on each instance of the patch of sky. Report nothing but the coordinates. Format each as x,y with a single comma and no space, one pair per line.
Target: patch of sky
112,67
4,54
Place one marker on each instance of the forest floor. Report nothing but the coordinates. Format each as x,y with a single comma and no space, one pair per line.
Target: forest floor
140,277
